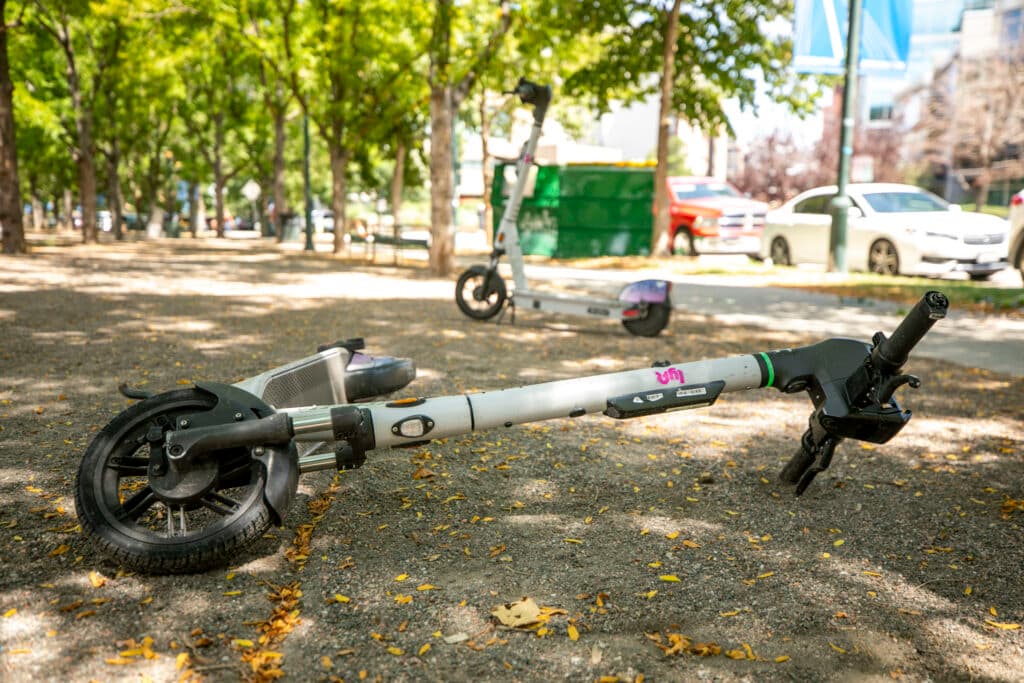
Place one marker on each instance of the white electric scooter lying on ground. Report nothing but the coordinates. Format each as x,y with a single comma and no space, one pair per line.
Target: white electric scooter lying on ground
643,307
183,481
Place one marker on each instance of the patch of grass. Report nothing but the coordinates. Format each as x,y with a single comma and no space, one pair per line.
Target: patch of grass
993,209
963,294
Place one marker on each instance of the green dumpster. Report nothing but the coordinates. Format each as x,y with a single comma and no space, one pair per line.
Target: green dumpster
583,210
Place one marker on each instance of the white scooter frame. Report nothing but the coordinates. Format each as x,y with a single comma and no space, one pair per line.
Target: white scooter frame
185,480
643,307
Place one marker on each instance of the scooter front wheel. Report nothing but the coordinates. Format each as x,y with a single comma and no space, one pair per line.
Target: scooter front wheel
480,293
652,323
132,516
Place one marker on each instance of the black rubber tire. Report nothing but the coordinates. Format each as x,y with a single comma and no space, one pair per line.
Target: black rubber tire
651,324
980,277
779,252
883,258
487,293
682,243
113,477
796,466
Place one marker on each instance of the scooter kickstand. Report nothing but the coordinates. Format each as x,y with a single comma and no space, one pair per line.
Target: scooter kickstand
510,305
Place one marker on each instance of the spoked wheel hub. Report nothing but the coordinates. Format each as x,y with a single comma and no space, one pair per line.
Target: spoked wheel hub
183,487
156,513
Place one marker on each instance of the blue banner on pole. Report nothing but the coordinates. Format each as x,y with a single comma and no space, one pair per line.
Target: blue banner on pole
820,28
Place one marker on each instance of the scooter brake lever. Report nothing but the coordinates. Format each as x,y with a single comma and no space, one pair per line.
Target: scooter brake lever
890,386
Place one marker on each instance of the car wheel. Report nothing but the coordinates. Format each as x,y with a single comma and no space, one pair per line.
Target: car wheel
883,258
979,277
682,243
780,252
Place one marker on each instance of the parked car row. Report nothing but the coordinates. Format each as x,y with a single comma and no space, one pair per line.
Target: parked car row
892,229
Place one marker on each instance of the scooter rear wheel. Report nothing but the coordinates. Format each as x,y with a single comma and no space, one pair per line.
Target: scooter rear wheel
480,294
131,523
651,324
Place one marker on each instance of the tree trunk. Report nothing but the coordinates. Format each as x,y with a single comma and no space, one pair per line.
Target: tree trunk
69,210
38,213
280,198
486,168
219,179
339,166
442,231
397,183
660,231
193,208
116,199
85,151
11,219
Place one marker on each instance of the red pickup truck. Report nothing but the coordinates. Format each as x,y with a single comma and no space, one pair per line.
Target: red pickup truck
709,216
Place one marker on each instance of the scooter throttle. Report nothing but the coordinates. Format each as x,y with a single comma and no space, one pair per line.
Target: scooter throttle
890,354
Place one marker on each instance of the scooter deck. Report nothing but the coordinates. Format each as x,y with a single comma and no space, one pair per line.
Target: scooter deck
566,303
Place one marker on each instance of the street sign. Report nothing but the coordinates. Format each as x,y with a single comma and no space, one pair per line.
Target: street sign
819,36
251,190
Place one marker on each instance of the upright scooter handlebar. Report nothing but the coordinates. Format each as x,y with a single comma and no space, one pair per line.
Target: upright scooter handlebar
539,96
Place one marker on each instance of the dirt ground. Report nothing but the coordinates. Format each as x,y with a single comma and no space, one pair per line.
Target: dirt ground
658,549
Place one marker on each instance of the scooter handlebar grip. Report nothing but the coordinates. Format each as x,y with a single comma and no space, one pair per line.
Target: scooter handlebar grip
892,353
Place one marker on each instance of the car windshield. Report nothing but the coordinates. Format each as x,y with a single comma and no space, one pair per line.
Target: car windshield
702,190
904,202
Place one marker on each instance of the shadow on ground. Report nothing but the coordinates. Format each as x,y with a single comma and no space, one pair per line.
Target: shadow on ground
897,563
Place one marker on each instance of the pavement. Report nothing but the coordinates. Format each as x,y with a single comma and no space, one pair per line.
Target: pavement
992,342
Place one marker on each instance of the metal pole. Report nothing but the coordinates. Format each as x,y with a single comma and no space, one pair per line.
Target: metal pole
841,202
305,183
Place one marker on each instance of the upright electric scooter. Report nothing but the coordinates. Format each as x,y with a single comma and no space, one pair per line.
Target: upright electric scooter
184,480
643,307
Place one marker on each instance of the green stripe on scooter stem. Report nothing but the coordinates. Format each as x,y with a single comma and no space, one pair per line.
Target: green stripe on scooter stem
771,368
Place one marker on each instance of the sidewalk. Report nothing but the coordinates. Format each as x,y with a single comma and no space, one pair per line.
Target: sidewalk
990,342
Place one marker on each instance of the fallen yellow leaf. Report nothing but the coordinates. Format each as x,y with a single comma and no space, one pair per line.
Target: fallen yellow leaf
671,578
424,649
401,577
242,642
781,658
523,612
10,613
672,536
1004,626
396,651
96,579
338,597
837,648
574,634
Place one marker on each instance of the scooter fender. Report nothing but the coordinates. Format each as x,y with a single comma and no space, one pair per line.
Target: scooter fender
280,461
646,292
281,472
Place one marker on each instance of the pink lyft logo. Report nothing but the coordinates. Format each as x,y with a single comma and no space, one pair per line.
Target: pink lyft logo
669,375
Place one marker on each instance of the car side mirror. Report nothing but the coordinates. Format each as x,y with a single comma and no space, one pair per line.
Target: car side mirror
955,208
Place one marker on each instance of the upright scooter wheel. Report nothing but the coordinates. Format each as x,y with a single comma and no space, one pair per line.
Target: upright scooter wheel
651,324
480,293
123,503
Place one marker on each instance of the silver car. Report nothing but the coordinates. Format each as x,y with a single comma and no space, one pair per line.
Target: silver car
892,229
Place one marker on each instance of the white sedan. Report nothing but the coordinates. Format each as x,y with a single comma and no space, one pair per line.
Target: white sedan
892,229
